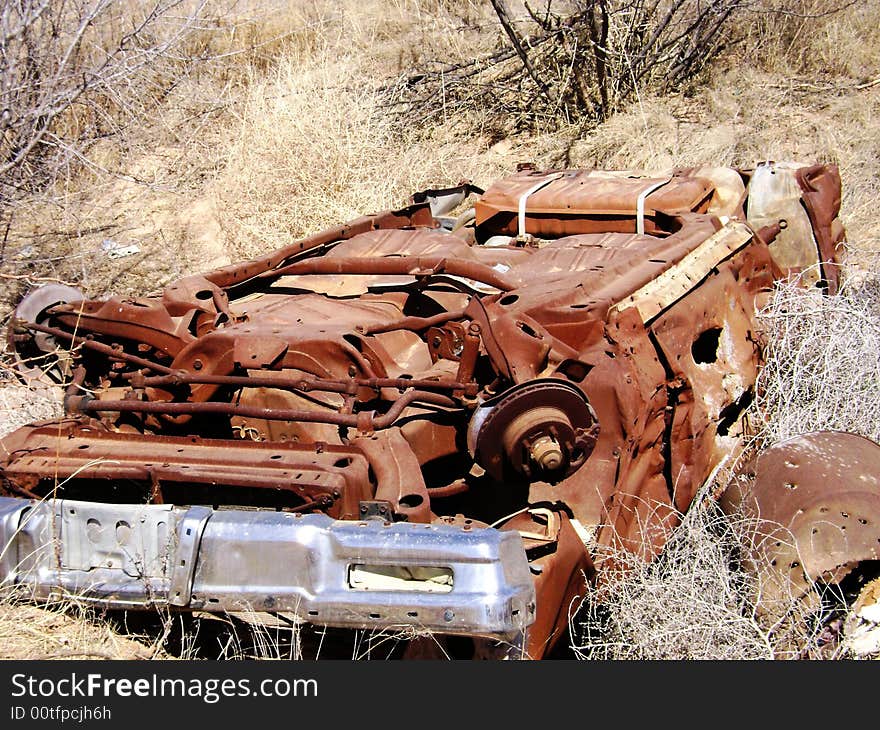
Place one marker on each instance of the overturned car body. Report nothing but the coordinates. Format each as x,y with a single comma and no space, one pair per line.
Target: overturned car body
412,419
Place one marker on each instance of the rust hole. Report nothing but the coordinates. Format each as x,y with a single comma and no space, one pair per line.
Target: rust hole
705,347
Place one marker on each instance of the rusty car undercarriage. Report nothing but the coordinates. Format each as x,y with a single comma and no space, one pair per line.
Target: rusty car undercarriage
430,417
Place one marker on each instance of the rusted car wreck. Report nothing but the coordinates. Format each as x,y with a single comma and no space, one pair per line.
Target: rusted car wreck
414,419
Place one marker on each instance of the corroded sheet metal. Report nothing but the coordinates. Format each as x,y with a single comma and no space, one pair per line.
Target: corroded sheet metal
678,281
816,500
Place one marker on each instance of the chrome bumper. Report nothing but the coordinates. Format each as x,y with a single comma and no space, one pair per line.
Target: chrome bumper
140,556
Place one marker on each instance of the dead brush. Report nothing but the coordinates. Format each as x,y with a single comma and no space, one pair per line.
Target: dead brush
697,600
582,61
73,72
822,370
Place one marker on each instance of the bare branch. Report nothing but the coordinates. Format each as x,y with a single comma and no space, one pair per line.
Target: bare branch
504,18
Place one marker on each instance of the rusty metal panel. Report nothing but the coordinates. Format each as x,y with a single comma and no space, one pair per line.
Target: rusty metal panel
816,502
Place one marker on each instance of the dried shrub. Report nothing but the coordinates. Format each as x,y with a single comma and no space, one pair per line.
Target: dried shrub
822,370
582,60
700,600
74,71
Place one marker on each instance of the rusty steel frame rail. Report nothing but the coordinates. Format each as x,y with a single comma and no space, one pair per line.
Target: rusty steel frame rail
363,421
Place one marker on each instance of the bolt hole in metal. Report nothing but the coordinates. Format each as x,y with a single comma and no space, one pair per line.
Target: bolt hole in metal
411,501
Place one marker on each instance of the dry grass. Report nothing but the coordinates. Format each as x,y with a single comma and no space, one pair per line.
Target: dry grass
312,148
63,631
699,601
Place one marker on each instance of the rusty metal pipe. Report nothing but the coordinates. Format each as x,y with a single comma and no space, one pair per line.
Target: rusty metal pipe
86,404
399,265
304,384
234,274
414,323
459,486
73,388
107,350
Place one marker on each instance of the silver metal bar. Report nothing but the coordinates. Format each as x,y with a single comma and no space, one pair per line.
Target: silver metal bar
129,556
